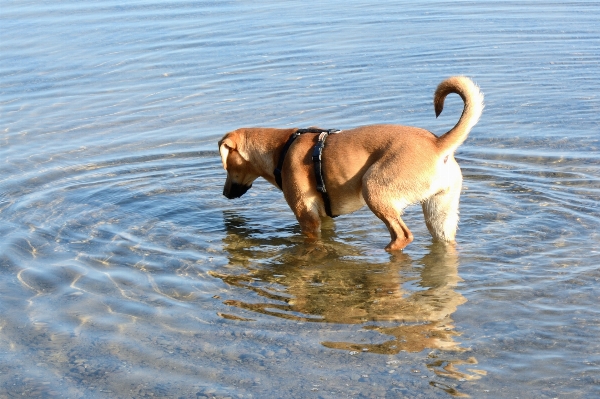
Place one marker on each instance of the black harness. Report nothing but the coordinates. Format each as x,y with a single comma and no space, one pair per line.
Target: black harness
316,157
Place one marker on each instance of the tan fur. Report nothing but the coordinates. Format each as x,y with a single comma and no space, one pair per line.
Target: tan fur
386,167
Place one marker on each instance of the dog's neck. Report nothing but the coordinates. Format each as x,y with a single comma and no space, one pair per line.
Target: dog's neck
267,150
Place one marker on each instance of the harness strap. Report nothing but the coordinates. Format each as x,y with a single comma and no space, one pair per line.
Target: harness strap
286,147
316,158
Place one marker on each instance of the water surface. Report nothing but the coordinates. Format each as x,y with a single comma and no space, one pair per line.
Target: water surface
125,273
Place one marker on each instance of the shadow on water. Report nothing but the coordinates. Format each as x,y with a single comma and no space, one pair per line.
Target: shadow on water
408,301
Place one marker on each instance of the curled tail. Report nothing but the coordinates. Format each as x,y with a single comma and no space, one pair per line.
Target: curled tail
473,100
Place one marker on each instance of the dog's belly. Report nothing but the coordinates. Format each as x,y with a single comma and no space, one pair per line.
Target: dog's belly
349,205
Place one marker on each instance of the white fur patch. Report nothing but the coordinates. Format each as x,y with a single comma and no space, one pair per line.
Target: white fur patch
224,151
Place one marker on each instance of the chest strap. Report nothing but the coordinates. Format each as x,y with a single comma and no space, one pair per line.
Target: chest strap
286,147
316,158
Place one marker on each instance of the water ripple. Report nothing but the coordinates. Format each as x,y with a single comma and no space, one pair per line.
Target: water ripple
127,273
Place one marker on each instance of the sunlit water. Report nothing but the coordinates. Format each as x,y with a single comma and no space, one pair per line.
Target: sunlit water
126,273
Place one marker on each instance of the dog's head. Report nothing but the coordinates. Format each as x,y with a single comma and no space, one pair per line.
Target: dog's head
236,161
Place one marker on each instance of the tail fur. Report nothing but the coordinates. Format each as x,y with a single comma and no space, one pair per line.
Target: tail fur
473,108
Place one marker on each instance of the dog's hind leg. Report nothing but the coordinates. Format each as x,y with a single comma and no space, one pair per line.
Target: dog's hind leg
399,232
441,212
390,214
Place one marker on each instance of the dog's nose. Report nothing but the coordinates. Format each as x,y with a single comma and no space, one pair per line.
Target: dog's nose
235,190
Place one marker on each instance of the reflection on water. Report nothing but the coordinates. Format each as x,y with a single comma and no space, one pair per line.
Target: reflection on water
409,302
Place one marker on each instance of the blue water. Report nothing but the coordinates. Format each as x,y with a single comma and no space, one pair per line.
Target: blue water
125,273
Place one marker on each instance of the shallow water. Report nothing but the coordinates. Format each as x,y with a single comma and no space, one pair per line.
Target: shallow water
125,273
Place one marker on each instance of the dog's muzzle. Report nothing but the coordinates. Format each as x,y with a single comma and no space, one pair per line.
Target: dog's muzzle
235,190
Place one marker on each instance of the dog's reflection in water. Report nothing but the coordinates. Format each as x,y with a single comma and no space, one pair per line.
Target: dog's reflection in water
409,301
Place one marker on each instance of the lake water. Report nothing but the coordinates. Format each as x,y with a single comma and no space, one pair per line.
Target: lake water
125,273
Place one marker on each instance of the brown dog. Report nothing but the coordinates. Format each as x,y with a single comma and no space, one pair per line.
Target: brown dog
386,167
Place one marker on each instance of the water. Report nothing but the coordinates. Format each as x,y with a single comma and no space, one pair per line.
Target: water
125,273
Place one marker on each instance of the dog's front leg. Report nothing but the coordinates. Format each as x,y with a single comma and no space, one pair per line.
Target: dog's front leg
310,223
308,215
306,210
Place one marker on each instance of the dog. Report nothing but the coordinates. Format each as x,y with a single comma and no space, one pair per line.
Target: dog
386,167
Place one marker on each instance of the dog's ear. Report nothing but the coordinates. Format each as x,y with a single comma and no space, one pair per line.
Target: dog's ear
225,146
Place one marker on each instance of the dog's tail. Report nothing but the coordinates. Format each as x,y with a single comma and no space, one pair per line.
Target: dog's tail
473,100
